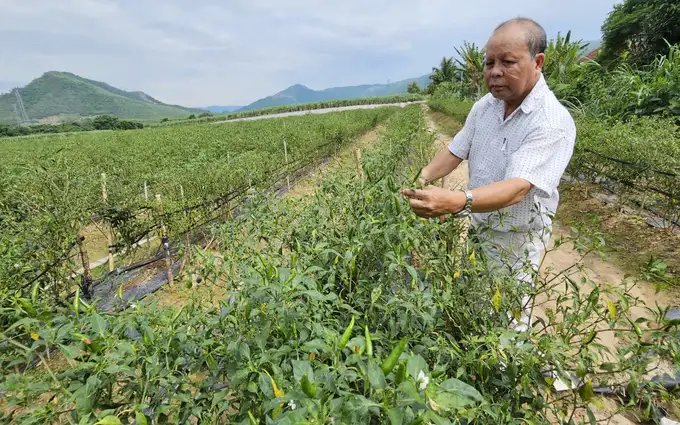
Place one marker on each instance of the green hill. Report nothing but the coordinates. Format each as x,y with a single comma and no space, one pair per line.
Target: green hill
59,95
302,94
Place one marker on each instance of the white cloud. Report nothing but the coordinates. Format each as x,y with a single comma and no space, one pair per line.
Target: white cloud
226,52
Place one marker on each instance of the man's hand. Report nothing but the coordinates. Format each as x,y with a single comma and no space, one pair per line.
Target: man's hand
434,201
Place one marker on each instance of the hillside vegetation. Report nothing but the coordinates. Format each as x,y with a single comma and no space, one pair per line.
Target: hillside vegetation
301,94
65,95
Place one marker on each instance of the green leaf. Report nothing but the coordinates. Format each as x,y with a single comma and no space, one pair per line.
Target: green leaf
265,385
591,416
376,376
301,368
416,364
244,350
411,392
586,392
609,367
98,324
140,418
395,415
453,394
412,271
316,346
69,352
109,420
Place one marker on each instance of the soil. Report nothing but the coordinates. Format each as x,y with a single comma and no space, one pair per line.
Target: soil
629,237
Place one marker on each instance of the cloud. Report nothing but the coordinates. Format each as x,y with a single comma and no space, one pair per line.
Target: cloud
233,52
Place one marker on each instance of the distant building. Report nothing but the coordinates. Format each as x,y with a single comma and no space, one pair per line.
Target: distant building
590,56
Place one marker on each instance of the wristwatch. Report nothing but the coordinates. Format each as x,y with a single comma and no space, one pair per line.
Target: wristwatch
467,209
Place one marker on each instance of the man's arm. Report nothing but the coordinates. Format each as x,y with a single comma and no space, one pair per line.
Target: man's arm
448,159
436,201
440,166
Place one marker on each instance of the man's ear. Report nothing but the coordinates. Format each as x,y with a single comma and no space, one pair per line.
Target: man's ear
539,61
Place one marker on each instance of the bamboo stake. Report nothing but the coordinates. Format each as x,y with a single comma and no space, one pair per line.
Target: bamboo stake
360,169
87,273
164,241
285,155
148,238
187,243
109,234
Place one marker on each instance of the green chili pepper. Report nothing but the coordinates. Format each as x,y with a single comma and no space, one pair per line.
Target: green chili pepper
34,292
402,372
307,387
415,179
176,316
438,372
590,338
253,421
369,343
76,302
416,421
392,359
346,336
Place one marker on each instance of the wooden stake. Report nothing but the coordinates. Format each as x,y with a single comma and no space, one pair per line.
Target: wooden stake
109,234
186,235
285,154
360,169
87,273
148,238
164,241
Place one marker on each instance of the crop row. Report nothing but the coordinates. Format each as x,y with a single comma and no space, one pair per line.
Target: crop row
51,187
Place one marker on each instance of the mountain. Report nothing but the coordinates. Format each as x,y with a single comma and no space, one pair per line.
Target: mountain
216,109
58,95
302,94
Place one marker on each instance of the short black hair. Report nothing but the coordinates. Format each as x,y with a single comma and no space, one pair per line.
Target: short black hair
537,40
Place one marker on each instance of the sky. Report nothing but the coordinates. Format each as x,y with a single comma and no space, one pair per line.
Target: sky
233,52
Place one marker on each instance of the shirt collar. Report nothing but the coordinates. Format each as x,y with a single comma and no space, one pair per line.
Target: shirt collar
533,98
529,103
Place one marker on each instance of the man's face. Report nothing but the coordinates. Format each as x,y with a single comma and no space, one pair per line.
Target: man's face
510,72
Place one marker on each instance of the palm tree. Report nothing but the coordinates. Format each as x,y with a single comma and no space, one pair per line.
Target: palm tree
561,60
445,73
470,67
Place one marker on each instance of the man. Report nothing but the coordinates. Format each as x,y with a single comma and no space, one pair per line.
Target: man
518,140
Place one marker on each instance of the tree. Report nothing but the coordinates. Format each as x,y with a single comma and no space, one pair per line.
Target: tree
639,30
470,68
413,88
445,72
561,66
105,122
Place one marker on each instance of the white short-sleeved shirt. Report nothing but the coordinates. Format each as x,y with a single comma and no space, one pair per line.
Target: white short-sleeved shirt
534,143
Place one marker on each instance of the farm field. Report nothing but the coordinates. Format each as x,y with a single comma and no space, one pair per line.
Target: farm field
334,305
52,186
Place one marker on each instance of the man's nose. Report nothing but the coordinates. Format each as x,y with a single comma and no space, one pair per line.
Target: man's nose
496,70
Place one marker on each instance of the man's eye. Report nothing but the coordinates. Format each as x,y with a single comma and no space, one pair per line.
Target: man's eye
489,64
508,62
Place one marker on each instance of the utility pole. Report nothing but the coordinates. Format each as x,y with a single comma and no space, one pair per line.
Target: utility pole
20,106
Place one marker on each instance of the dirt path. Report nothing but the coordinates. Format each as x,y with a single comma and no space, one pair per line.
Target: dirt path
318,111
345,157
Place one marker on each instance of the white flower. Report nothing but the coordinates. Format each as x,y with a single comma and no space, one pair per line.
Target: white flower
134,306
292,405
422,380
